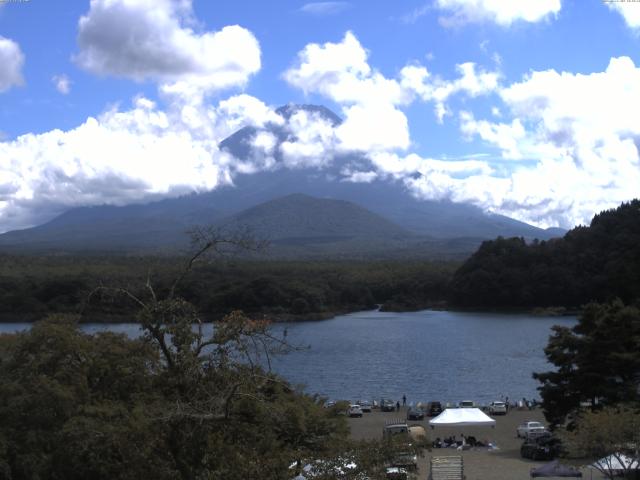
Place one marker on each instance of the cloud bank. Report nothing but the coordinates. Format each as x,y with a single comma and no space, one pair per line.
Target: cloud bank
567,144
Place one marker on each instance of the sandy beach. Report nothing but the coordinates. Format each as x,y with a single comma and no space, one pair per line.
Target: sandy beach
504,463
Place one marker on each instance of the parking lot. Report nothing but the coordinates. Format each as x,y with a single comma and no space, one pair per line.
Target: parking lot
480,463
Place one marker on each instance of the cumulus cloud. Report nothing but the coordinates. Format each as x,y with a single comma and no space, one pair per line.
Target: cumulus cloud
11,63
341,72
152,40
629,11
324,8
582,137
372,103
502,12
62,83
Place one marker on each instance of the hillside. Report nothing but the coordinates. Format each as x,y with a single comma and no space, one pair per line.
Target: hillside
299,216
594,263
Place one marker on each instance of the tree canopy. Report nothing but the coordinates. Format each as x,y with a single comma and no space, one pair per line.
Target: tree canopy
595,263
597,362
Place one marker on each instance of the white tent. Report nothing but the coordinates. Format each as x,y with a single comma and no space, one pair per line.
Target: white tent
617,462
462,417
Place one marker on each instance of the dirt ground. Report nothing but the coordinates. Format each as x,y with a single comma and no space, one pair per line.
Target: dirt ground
503,463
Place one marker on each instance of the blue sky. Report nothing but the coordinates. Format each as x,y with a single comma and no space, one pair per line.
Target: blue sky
527,108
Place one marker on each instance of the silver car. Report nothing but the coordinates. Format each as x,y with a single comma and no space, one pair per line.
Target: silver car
527,428
354,411
498,408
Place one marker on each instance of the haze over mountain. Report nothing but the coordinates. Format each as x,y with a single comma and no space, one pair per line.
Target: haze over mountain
278,204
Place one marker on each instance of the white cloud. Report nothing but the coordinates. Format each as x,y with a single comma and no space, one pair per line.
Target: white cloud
508,137
152,40
341,72
120,157
502,12
582,136
418,79
372,103
630,11
11,63
311,141
62,83
324,8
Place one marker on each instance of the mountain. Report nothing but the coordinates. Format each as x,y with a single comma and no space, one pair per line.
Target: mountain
270,202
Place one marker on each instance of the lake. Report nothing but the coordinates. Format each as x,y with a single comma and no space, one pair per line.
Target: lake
426,355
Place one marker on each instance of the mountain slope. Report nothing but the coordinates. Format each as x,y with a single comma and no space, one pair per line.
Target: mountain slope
299,217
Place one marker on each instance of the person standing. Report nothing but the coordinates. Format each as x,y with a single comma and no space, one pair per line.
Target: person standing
404,400
398,406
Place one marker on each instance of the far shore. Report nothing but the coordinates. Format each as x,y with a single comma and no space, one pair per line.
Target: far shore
309,317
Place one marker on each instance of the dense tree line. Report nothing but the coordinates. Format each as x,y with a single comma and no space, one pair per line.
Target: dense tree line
595,263
32,287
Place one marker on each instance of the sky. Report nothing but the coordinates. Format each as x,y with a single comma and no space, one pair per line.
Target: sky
527,108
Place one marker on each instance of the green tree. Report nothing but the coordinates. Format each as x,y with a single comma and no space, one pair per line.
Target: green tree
611,434
598,361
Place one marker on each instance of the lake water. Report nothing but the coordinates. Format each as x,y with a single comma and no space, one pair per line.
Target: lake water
427,355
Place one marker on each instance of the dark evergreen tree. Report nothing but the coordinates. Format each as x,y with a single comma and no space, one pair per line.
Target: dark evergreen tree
598,362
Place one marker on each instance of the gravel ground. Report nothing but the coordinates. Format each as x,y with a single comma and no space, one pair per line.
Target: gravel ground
503,463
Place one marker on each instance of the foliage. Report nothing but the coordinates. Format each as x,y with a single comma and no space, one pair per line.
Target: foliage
105,406
598,361
595,263
613,431
31,287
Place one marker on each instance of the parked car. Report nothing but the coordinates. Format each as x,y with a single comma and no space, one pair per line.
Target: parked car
466,404
544,447
434,409
354,411
497,408
415,413
365,405
388,406
527,428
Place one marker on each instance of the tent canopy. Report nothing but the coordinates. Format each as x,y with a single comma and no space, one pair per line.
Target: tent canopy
462,417
554,469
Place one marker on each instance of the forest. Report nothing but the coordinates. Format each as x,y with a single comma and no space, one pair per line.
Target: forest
598,262
33,286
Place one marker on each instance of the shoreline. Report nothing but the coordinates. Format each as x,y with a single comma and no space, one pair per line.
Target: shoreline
307,317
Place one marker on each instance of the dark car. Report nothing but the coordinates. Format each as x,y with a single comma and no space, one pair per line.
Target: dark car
545,447
415,413
434,409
